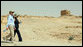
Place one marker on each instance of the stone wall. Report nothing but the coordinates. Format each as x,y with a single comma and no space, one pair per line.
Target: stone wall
65,12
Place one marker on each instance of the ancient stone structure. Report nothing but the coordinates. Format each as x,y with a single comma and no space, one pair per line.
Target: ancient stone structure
65,12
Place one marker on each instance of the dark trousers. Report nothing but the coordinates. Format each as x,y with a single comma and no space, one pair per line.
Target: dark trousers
18,33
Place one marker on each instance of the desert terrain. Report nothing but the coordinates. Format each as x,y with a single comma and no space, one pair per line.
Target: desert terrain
46,31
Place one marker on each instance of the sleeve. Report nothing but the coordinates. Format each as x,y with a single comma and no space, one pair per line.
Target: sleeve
7,22
8,19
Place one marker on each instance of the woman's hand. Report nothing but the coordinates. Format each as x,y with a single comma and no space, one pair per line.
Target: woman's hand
14,28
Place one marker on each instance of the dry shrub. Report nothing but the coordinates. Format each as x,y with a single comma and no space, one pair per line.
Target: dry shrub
71,38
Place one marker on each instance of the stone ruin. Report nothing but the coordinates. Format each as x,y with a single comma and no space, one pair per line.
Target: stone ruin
65,13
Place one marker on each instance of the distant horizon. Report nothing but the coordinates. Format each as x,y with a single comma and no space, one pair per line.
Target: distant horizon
41,8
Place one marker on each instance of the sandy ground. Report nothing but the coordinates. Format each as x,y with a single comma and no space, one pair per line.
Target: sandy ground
47,31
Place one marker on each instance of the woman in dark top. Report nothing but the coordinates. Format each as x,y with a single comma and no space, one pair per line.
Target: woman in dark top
16,22
17,28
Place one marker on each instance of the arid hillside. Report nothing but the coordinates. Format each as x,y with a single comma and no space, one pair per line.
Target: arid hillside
48,31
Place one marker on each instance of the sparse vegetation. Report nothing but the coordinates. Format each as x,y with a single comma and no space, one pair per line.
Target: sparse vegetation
71,38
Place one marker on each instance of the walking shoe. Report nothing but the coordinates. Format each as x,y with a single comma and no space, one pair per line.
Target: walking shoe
20,41
9,41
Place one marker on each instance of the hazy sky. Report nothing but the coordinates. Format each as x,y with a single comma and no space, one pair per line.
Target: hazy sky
41,8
